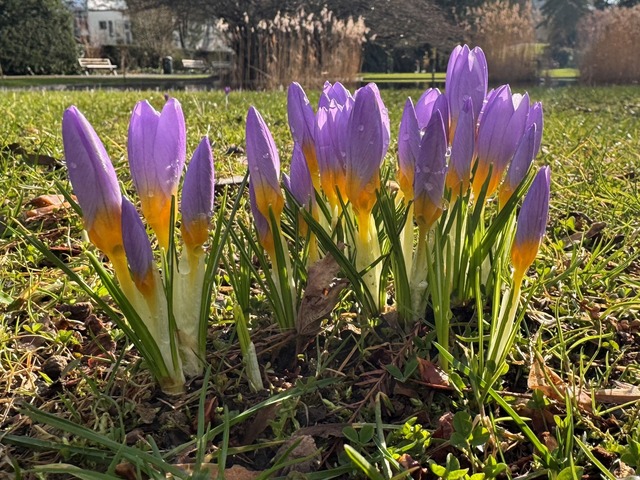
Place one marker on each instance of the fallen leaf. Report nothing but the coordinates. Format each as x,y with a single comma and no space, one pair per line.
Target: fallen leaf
417,471
623,393
259,423
320,295
299,447
432,375
48,201
445,427
126,470
552,386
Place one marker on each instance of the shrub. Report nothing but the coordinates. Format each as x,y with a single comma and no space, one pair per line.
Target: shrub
607,40
37,37
507,35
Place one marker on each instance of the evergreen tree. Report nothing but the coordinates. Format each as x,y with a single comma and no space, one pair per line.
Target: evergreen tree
561,17
36,37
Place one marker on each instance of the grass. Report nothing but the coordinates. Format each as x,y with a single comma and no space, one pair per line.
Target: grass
352,385
97,81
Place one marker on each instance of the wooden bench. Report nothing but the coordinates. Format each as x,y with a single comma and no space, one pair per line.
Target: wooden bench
89,64
194,64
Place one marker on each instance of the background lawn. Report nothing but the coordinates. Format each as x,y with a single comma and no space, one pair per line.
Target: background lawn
583,320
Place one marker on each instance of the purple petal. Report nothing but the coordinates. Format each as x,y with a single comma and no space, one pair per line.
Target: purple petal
300,184
536,117
262,224
262,154
431,164
300,114
157,148
425,106
532,222
463,145
171,145
521,159
408,147
366,144
136,243
198,186
501,128
467,76
91,173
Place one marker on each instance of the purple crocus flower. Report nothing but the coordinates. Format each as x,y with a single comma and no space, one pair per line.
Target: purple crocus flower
462,151
94,182
227,90
430,171
502,125
519,165
302,125
430,101
157,151
532,223
408,149
264,185
197,196
467,76
138,249
366,148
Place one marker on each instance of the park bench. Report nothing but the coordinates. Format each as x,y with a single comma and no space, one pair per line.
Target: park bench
89,64
194,64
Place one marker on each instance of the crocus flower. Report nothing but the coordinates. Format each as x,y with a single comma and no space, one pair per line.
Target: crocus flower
519,165
138,249
157,151
501,127
428,183
197,197
94,182
462,151
227,90
264,185
408,149
365,150
302,125
532,223
467,76
430,101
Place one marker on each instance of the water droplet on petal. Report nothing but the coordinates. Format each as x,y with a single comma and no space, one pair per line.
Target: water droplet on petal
361,128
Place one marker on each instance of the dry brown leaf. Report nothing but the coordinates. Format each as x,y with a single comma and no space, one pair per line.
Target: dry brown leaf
236,472
432,375
320,295
305,447
552,386
259,423
623,393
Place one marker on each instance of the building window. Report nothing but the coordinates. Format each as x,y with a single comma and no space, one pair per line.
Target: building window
127,25
102,25
110,28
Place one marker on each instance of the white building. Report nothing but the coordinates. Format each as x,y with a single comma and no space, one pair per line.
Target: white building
108,22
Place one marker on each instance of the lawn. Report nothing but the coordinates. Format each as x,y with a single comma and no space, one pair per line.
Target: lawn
76,398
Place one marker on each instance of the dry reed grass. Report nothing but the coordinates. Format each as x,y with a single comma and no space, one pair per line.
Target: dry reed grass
507,35
608,41
307,48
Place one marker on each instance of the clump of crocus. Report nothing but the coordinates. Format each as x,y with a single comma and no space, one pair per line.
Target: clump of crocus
167,313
